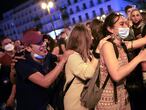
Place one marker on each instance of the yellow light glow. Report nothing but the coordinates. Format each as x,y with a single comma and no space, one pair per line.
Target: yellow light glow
50,4
141,11
104,16
44,5
98,17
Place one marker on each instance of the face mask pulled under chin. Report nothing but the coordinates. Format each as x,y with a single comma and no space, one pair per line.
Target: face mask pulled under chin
9,47
39,57
123,32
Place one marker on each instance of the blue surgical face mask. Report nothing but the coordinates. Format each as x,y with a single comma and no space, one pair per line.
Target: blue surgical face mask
39,57
123,32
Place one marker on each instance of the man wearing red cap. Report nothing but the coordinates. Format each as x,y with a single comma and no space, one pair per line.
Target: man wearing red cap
35,74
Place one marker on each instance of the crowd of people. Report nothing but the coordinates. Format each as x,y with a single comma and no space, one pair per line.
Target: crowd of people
34,68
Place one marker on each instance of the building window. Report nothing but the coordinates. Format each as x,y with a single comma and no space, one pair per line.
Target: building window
87,16
109,8
80,18
99,1
91,3
69,3
73,20
101,11
14,32
106,0
77,9
71,11
75,1
84,6
94,13
8,27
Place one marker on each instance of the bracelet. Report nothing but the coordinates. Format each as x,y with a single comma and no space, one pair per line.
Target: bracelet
96,55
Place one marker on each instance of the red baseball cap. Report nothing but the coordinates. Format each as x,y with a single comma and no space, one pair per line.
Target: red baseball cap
32,37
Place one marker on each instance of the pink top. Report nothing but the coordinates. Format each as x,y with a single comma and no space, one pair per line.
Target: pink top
107,99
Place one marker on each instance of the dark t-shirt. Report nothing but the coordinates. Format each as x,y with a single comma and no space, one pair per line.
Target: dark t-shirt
141,30
31,96
5,83
144,31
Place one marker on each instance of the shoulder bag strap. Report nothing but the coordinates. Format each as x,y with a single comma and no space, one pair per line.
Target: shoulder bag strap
68,85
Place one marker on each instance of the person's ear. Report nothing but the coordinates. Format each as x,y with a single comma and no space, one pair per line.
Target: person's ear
110,29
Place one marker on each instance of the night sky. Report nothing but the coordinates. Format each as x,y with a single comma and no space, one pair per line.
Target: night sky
6,5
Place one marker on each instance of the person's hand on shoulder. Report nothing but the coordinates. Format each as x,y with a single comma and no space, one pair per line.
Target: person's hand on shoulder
102,41
66,54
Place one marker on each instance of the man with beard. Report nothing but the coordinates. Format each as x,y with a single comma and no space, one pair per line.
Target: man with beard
134,82
138,26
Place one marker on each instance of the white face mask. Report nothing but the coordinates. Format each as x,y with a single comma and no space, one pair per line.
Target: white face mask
123,32
9,47
39,57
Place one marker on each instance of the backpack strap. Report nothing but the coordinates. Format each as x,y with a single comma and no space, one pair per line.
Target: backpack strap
117,55
105,82
115,48
126,51
114,83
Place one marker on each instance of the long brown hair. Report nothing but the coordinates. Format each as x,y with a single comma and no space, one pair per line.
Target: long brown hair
96,30
110,20
80,40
